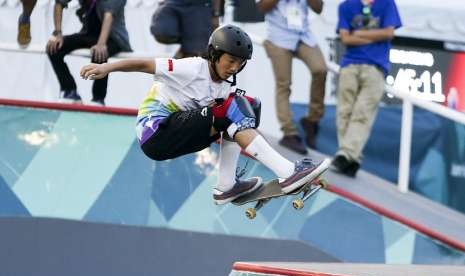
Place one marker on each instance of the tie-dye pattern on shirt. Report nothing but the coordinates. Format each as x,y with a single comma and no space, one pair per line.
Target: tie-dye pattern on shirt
151,113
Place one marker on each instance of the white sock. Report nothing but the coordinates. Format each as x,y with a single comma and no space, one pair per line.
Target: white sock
229,155
269,157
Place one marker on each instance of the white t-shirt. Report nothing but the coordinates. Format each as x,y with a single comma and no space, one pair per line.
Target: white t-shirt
180,85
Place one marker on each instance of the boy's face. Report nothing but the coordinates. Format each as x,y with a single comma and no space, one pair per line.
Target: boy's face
227,65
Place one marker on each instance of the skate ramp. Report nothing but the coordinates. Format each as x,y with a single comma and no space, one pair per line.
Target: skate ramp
48,247
88,167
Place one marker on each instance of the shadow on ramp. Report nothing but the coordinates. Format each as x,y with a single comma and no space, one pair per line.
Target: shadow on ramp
38,246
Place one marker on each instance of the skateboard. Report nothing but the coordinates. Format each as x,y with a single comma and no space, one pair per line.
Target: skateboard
272,189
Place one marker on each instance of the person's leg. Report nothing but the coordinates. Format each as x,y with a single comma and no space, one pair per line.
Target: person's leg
348,86
347,93
70,43
281,60
242,118
314,60
291,175
99,87
364,112
24,23
196,27
229,186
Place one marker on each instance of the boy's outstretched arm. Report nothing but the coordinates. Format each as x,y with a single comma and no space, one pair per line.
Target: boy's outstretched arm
97,71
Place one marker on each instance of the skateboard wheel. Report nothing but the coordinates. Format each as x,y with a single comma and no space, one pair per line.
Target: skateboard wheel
298,204
324,183
251,213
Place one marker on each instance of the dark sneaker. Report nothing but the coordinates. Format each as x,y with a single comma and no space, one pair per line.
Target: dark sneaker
97,103
352,168
311,131
70,96
294,143
24,32
339,163
241,188
305,171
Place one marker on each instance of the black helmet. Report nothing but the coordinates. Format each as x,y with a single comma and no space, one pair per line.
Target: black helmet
232,40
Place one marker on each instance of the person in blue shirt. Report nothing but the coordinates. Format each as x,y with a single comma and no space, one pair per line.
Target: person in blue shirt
289,36
366,28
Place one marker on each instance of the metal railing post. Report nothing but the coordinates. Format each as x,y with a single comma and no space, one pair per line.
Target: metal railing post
405,146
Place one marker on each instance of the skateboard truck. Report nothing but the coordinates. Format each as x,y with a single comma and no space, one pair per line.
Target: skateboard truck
298,203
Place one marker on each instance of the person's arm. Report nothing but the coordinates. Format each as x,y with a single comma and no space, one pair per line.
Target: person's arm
316,5
56,41
99,51
58,16
266,5
352,40
97,71
376,35
216,6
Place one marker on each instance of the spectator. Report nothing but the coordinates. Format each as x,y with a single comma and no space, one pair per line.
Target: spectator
289,36
24,23
103,31
366,27
187,22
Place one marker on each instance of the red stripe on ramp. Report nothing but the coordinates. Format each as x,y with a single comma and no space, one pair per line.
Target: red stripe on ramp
70,107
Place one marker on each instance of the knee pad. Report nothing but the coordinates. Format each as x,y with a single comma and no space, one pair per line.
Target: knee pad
257,109
234,114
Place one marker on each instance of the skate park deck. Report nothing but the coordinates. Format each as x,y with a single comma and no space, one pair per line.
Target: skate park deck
87,168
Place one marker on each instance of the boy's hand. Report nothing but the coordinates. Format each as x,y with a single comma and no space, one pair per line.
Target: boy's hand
94,71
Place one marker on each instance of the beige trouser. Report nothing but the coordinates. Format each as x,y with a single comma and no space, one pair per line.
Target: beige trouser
281,59
360,90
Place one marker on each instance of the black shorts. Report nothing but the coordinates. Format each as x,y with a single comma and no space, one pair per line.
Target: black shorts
181,133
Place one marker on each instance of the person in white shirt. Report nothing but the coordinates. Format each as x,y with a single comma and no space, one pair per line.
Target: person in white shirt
190,105
288,37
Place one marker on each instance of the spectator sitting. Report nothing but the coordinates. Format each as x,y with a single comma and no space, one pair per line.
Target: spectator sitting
103,31
188,22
